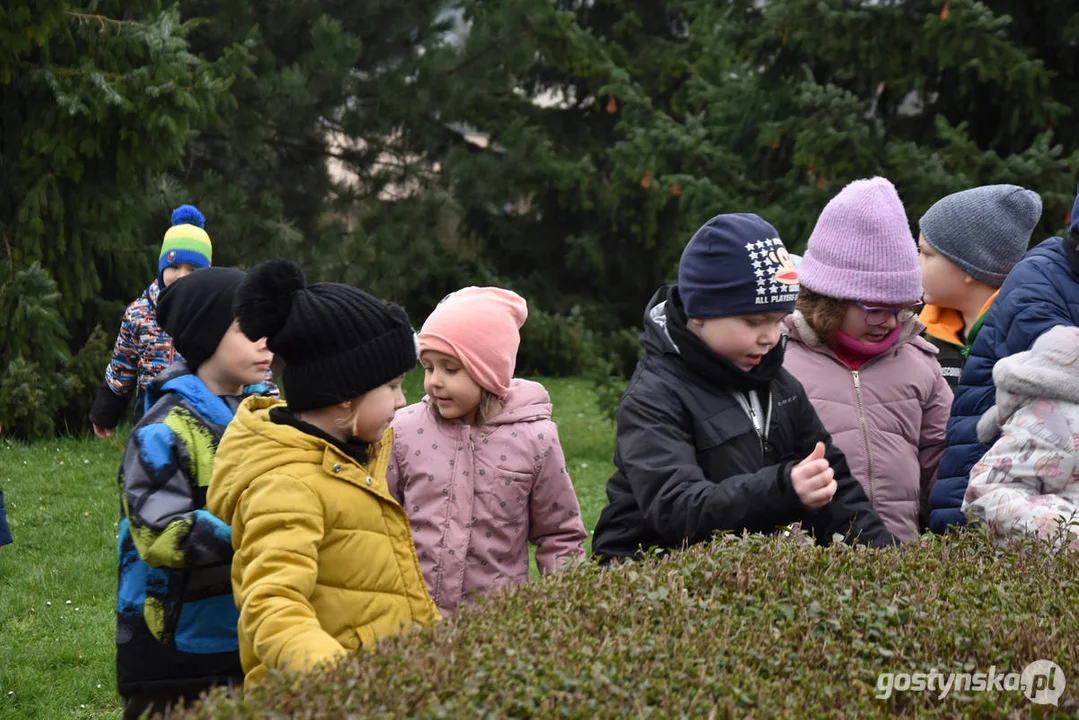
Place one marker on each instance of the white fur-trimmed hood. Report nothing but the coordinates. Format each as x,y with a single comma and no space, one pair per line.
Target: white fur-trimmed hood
1049,370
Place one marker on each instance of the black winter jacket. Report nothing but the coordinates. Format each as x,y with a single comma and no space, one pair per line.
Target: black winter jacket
690,461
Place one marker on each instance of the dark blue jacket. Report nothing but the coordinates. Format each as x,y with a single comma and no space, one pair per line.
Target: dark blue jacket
5,533
1040,293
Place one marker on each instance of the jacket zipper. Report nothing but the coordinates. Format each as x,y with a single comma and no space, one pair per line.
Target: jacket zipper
761,430
865,432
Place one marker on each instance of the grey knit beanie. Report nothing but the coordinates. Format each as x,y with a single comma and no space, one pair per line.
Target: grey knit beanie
985,230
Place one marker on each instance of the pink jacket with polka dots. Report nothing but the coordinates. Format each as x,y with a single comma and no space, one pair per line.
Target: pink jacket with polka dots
476,496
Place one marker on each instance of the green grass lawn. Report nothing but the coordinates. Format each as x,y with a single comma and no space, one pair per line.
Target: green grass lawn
58,581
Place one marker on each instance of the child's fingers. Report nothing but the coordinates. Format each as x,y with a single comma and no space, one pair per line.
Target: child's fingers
821,496
813,470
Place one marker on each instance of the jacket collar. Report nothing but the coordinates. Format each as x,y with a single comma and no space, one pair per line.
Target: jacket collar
177,378
283,416
946,324
152,292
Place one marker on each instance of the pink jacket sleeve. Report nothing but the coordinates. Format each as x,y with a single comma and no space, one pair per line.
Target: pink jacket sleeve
935,416
554,515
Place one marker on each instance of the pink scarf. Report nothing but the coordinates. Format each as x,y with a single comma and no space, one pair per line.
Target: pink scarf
855,352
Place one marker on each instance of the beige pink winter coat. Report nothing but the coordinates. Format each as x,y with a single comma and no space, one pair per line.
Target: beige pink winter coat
476,496
888,417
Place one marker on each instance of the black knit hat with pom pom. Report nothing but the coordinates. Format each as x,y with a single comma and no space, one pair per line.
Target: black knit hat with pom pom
337,342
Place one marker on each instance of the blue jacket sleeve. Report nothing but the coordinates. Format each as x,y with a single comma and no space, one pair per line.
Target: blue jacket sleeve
5,532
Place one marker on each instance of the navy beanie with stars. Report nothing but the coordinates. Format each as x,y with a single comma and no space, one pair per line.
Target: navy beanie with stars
736,265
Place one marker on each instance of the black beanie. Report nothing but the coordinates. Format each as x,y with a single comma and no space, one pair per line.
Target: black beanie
196,311
337,342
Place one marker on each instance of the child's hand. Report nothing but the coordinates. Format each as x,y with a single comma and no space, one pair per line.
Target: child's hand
814,480
103,433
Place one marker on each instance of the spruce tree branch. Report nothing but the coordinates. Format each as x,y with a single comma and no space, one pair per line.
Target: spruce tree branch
102,20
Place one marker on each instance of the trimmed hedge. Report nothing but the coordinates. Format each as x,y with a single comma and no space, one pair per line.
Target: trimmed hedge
745,626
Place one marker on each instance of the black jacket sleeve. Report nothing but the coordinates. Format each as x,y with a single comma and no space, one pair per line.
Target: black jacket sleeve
108,407
850,513
656,452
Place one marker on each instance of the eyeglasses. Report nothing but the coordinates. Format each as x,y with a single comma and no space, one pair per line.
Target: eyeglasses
880,315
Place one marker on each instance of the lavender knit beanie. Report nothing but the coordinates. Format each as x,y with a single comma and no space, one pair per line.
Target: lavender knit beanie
862,248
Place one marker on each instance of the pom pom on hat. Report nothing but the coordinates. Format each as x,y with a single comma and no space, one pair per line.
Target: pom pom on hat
337,341
188,215
264,302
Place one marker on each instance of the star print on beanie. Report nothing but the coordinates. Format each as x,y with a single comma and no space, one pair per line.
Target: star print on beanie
736,264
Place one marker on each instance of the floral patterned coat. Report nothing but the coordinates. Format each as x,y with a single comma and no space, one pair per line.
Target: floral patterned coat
1028,482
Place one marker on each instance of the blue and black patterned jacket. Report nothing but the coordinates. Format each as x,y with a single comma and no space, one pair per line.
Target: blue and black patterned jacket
175,613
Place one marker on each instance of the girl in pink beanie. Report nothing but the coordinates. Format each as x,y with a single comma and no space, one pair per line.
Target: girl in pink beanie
856,346
477,464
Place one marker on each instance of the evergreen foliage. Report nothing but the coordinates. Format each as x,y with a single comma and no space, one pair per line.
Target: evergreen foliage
565,149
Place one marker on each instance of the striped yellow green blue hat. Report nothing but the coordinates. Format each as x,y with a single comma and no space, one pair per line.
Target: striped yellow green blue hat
186,241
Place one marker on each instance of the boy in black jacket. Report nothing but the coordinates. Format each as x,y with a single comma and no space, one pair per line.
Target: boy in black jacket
713,433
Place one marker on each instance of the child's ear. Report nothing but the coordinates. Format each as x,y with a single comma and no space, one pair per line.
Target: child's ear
968,279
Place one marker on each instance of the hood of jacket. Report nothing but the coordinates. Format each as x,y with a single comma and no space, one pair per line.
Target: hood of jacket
526,401
666,333
177,378
151,293
1049,371
656,338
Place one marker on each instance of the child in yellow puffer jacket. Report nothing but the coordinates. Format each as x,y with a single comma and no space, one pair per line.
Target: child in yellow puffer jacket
324,562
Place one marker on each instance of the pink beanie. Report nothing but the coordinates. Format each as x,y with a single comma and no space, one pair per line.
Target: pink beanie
480,326
862,248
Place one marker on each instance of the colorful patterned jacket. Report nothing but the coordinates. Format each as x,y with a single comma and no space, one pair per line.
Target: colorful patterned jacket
175,614
142,350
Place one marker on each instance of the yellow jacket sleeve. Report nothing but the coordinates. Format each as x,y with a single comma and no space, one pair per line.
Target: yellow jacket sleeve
283,531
